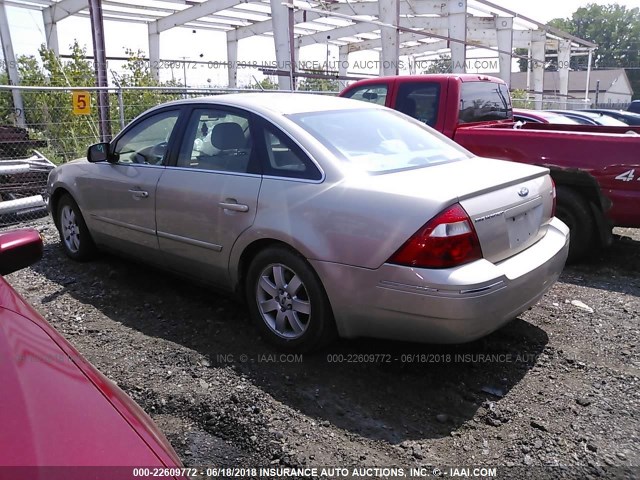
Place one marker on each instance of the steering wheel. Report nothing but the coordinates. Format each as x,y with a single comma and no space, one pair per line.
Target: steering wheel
158,151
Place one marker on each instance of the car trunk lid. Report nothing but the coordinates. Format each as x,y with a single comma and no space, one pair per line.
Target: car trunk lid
509,204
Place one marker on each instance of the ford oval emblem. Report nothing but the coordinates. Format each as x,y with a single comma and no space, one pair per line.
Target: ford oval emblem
523,192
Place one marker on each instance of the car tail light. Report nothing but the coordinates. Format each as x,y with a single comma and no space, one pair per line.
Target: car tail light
554,197
447,240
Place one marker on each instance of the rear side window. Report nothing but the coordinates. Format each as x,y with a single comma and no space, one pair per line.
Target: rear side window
484,101
420,101
369,93
286,159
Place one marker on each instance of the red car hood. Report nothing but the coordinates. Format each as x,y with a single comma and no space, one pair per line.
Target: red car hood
57,410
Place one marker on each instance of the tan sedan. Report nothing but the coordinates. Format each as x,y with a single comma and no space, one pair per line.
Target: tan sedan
326,215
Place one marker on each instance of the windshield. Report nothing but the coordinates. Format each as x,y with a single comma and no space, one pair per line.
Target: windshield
379,140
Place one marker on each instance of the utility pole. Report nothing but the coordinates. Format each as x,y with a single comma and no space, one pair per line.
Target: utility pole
100,65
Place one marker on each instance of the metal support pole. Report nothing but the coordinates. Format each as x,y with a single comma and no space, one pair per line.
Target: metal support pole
100,62
154,51
564,61
458,31
597,93
282,41
121,107
586,92
232,60
504,27
293,51
388,13
538,52
11,66
343,64
50,30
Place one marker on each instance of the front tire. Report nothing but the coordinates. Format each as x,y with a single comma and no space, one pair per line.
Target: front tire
74,235
573,209
287,301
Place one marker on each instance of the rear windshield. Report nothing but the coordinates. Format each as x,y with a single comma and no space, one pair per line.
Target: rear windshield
379,140
484,101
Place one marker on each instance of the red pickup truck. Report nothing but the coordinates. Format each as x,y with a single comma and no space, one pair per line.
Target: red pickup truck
596,169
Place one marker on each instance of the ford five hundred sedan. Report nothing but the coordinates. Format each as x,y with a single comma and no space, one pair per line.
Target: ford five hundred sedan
327,215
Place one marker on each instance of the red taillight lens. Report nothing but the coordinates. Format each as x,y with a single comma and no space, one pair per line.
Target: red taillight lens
447,240
554,196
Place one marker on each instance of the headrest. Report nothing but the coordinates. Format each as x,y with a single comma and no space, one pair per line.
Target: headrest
227,136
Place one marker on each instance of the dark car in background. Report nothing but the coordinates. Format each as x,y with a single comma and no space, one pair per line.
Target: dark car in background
591,118
57,410
629,118
634,107
542,116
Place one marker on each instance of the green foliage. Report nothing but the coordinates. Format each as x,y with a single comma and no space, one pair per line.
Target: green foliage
523,63
309,84
615,28
519,99
265,84
442,64
138,74
49,114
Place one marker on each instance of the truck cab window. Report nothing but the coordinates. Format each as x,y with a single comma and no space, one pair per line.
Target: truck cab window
419,100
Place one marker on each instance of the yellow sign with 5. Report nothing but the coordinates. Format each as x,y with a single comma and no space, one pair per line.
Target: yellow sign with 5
81,102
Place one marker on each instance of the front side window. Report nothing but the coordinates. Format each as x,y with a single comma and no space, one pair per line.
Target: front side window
419,100
146,142
217,140
379,140
369,93
484,101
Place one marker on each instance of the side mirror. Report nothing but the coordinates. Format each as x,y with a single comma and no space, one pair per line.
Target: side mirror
370,96
98,152
19,249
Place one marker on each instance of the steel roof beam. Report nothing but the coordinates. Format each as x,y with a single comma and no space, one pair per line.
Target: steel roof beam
192,13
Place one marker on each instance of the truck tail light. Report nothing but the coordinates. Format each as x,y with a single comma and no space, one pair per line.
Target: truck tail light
445,241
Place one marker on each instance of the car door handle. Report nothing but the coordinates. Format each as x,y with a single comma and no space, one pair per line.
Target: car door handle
139,193
233,206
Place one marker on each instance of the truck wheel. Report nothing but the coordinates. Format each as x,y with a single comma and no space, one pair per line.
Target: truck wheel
74,235
573,209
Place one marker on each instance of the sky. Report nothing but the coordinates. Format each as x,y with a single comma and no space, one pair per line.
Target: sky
27,32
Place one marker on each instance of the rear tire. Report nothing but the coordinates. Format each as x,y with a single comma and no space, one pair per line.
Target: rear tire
287,301
573,209
74,235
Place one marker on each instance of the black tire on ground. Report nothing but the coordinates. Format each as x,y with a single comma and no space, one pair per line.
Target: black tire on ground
75,238
573,209
287,301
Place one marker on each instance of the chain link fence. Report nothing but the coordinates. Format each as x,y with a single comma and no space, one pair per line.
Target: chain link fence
56,125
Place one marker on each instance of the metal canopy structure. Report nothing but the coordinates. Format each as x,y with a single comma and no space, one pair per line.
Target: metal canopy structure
394,28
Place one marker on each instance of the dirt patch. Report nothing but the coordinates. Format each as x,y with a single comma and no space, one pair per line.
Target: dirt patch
559,386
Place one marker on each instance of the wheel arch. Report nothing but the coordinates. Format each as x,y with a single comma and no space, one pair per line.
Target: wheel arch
54,200
588,187
248,253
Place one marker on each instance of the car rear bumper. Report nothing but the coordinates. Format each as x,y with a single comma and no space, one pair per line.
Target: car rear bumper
443,306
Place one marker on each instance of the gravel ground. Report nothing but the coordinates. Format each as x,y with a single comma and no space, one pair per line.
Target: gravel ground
556,387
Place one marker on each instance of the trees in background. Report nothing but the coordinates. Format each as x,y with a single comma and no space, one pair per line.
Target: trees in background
49,114
614,28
